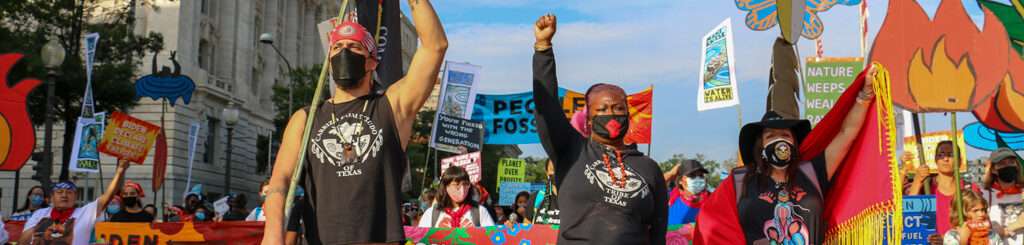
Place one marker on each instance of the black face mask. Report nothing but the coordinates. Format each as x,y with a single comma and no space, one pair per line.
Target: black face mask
613,127
130,201
348,68
778,153
1008,174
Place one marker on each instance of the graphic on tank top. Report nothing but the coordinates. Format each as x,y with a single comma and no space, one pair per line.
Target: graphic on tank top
787,226
615,193
346,141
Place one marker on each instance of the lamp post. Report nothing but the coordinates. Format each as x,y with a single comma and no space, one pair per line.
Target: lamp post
53,57
268,38
230,116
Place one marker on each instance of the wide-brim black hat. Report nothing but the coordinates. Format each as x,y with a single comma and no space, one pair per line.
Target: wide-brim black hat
751,132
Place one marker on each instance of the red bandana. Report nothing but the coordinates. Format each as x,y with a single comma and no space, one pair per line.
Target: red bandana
60,216
457,215
1008,190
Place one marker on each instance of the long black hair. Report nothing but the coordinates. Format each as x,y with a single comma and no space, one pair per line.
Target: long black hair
454,174
28,199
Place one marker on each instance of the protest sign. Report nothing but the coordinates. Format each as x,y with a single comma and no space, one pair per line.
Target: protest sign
930,141
193,137
457,90
509,189
451,133
85,156
221,206
717,87
918,218
128,138
824,80
511,170
469,162
177,233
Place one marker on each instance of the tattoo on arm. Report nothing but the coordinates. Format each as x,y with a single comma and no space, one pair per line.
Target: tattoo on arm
277,190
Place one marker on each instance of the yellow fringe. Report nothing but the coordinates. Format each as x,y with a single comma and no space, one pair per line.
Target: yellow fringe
882,221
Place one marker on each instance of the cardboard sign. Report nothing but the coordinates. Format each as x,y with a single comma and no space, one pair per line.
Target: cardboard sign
469,162
717,88
451,133
918,218
930,141
511,170
128,138
825,80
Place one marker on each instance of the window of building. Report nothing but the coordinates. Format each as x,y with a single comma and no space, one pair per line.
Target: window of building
262,153
211,140
205,56
204,6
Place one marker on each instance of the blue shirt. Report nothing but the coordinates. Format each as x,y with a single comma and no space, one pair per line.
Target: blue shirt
680,213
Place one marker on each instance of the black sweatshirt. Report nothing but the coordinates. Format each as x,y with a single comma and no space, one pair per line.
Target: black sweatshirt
595,210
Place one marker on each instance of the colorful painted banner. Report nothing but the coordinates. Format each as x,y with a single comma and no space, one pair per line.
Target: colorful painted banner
508,119
717,87
511,170
520,234
918,218
164,233
17,136
469,162
85,156
128,138
508,190
456,135
930,141
824,80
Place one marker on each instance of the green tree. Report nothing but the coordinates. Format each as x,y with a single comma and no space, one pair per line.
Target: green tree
29,24
303,86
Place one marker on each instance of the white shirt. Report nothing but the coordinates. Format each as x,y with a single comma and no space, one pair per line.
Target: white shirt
485,218
3,234
257,215
85,221
1004,211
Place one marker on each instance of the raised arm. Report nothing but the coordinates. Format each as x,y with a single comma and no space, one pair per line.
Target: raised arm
280,178
556,134
837,149
409,93
114,188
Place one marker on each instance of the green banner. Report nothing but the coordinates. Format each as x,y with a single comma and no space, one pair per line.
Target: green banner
825,79
511,170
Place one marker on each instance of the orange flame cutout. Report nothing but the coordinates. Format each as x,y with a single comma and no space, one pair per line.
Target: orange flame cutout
945,64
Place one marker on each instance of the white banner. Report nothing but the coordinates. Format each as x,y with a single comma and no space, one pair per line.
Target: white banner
717,86
85,157
193,136
91,40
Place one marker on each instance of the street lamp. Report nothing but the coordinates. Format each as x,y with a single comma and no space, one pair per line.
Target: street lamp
230,116
268,38
53,57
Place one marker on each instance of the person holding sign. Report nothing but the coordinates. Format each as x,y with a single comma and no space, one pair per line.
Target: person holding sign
618,195
357,140
942,185
455,207
1002,189
63,222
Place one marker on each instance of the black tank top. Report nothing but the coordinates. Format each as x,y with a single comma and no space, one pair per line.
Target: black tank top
354,173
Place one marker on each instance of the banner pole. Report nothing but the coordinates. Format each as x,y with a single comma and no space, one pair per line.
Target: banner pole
956,168
917,138
314,104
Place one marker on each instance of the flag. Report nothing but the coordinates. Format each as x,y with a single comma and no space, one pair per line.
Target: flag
383,19
641,106
852,218
159,161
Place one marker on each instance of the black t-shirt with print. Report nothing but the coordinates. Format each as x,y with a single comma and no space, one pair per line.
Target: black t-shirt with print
603,212
354,173
785,214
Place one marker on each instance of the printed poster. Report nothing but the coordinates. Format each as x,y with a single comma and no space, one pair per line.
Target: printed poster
511,170
919,218
85,155
930,140
128,138
825,79
717,88
469,162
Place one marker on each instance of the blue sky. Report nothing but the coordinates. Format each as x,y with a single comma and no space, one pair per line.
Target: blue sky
636,44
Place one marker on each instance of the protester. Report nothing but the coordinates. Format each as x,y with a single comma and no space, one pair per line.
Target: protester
780,198
356,156
976,228
519,209
1002,190
686,199
63,222
259,213
455,207
547,211
202,214
500,214
113,207
36,199
427,198
236,208
131,205
412,214
942,185
151,209
296,225
617,194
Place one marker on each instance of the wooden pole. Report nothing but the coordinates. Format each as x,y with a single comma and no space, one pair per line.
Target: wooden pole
956,168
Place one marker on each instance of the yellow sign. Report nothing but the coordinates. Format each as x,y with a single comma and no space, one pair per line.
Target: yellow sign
930,141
